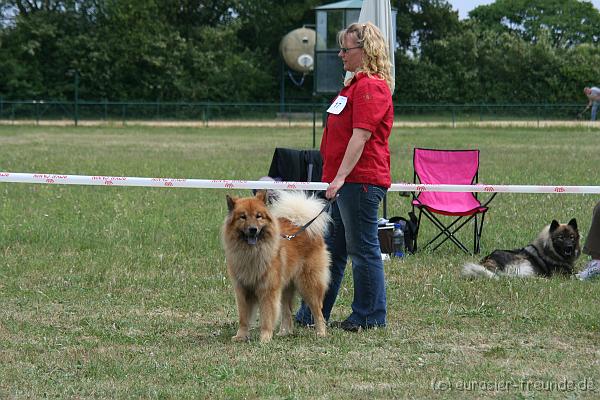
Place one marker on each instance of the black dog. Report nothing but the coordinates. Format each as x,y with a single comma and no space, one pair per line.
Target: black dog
553,252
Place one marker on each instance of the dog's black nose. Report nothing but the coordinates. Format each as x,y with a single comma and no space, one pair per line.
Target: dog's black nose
252,235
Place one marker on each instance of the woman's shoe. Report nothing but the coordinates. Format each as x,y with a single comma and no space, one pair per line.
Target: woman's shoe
350,326
592,270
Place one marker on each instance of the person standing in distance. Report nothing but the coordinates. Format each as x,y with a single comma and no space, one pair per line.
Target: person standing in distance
356,164
593,95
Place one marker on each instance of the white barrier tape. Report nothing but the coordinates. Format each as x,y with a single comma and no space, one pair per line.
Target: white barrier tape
156,182
55,179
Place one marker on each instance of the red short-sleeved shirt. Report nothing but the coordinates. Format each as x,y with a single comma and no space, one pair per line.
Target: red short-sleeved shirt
369,106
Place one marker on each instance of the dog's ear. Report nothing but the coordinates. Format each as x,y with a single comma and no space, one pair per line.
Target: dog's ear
230,202
262,195
573,223
554,225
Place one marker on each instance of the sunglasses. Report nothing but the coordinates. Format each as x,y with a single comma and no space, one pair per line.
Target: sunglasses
346,49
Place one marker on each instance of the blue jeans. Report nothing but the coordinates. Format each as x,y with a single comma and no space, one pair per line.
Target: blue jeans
595,105
353,233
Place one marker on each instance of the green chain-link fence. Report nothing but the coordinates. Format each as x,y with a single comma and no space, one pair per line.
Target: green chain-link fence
207,113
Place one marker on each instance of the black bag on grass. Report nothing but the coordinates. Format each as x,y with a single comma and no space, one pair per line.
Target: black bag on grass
409,229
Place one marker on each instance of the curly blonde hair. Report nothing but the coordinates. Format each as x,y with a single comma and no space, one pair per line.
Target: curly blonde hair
376,59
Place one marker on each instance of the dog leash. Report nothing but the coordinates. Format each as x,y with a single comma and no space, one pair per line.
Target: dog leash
303,227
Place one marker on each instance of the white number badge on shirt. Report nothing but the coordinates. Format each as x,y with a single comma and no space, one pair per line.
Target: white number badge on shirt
338,105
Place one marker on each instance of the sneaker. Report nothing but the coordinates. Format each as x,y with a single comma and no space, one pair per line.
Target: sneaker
350,326
591,270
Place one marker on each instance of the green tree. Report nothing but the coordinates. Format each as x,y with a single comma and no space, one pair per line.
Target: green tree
227,50
484,66
579,68
155,49
568,22
263,25
38,51
422,21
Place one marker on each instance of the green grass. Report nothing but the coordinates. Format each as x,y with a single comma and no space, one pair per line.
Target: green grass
112,292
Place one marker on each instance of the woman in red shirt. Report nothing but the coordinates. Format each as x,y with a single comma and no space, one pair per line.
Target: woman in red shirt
356,164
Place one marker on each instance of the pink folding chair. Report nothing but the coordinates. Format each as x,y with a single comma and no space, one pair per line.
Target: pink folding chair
457,167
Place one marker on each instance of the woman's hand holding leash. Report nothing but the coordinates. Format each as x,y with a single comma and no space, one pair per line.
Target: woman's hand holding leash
333,188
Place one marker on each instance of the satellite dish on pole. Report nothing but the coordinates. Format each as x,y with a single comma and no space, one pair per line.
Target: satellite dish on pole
298,49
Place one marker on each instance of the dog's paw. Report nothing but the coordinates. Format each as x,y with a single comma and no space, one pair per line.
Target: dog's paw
265,337
240,338
285,332
322,333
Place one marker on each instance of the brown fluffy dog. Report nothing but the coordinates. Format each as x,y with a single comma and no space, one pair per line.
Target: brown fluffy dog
266,269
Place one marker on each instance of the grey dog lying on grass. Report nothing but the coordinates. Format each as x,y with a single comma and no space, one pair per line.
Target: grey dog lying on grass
554,251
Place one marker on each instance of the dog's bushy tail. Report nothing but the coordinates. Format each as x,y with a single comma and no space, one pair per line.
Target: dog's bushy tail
299,207
472,270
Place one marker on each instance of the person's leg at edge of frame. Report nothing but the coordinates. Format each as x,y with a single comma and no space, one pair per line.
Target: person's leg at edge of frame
336,244
359,207
595,105
592,247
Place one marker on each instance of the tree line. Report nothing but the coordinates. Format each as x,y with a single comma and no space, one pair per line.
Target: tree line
511,51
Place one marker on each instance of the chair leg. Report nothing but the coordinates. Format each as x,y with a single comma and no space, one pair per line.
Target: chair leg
450,230
417,229
450,235
445,230
479,234
475,245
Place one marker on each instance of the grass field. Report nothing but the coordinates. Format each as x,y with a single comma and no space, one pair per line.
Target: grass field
109,292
